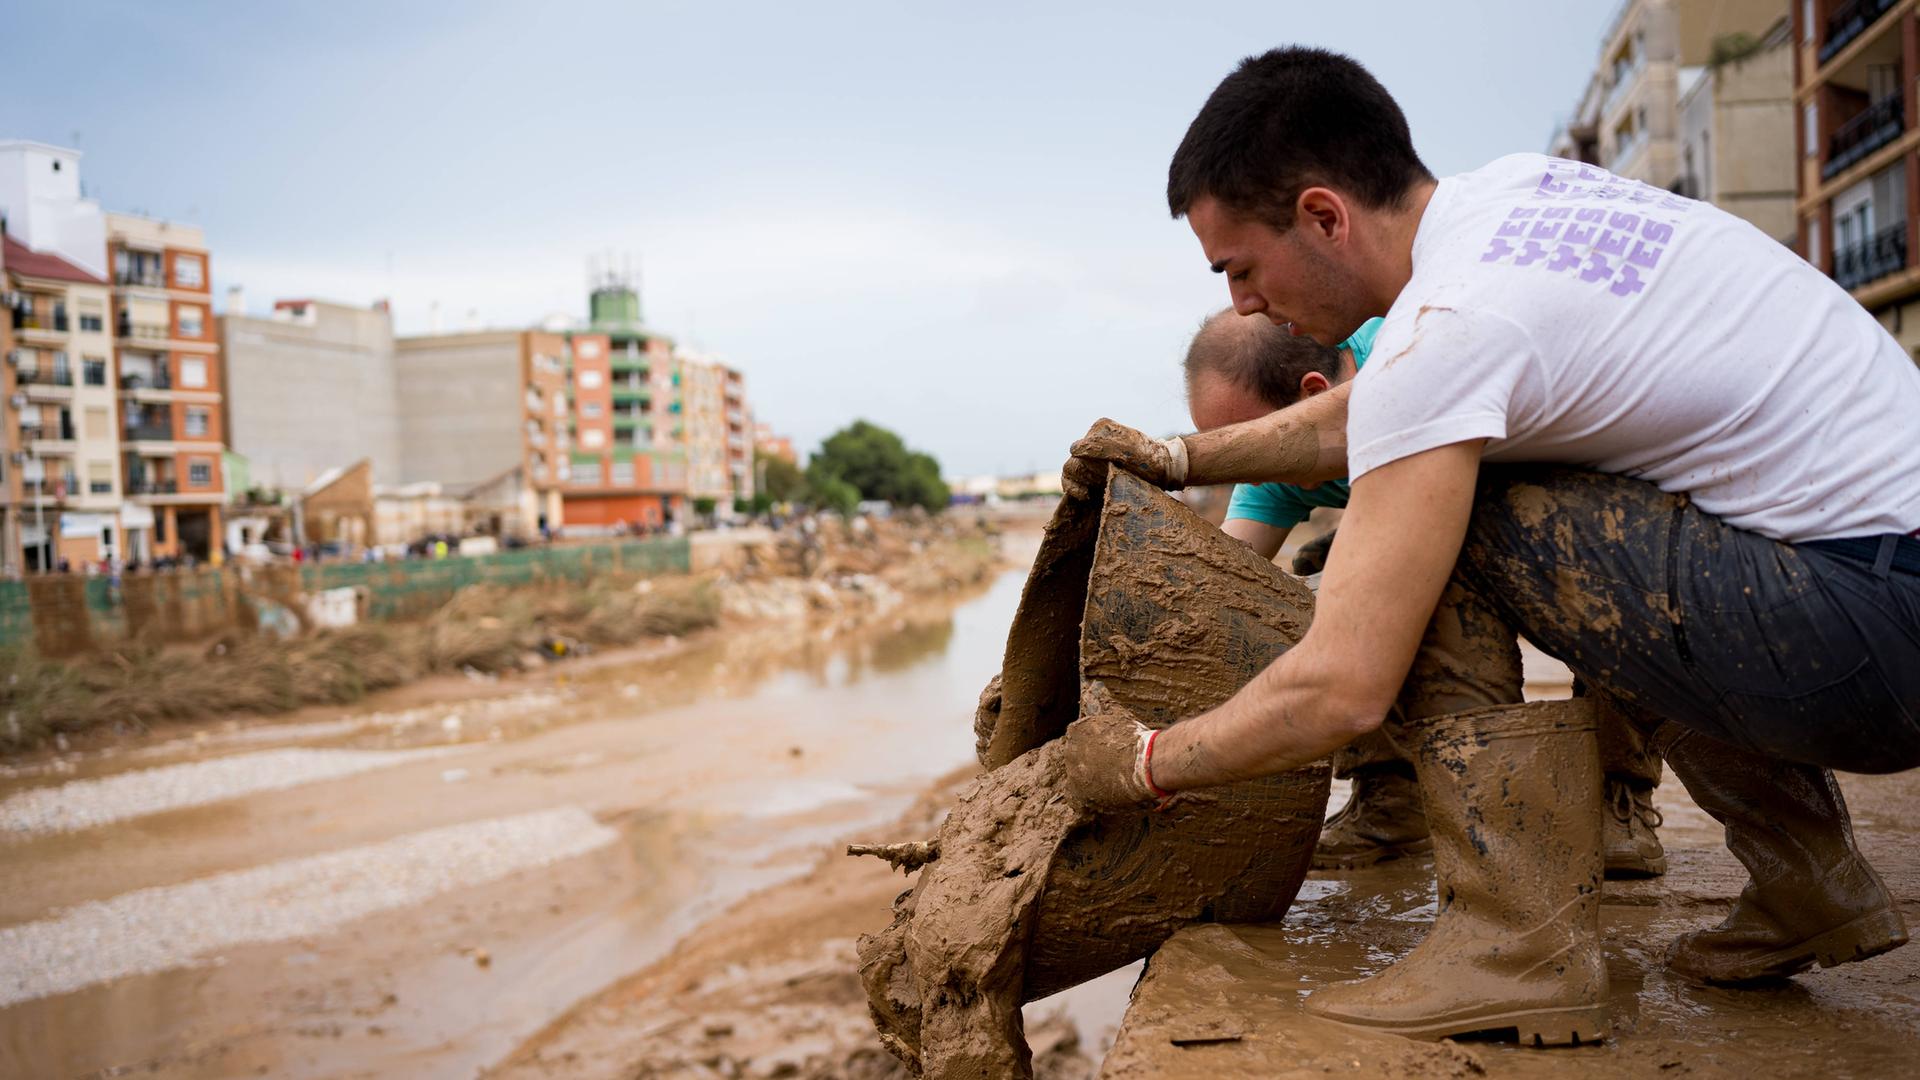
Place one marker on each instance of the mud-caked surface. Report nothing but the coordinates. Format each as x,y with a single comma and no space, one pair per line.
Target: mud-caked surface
1225,1001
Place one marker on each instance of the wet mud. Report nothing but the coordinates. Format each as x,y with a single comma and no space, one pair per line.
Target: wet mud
1030,894
1227,1001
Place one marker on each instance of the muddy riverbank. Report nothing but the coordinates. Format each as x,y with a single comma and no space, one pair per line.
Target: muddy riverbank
416,885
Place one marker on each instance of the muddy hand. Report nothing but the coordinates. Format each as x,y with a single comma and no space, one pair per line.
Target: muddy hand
1150,459
1106,762
1083,479
986,719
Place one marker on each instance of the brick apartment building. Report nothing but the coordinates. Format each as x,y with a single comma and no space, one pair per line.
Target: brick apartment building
114,408
1855,71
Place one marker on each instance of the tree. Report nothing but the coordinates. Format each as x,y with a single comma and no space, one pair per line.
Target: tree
780,480
878,465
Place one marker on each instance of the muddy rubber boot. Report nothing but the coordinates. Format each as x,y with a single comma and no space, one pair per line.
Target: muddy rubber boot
1812,897
1383,819
1632,846
1513,798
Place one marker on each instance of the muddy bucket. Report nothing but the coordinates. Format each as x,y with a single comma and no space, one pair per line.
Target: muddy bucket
1172,616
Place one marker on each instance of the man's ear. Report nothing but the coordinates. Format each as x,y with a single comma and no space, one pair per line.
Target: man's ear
1313,383
1322,211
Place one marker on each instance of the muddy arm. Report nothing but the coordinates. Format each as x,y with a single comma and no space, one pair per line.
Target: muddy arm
906,857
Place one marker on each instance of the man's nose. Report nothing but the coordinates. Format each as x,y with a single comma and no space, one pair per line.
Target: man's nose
1246,301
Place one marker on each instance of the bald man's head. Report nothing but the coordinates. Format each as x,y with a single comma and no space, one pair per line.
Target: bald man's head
1249,358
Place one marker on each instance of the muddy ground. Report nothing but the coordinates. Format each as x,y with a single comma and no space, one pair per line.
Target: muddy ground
630,867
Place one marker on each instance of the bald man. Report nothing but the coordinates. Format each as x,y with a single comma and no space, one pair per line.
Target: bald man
1239,368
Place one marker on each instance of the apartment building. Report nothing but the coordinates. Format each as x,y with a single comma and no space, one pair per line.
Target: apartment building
716,430
1628,119
309,389
1855,71
627,461
173,421
740,429
63,486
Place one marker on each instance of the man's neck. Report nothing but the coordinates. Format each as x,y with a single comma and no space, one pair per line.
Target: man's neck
1397,229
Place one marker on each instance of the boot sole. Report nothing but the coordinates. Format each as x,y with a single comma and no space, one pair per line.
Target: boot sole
1634,868
1583,1025
1864,937
1385,853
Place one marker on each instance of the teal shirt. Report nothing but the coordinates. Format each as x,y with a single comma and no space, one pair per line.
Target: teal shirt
1285,505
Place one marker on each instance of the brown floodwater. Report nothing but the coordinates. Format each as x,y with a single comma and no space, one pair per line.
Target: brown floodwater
722,762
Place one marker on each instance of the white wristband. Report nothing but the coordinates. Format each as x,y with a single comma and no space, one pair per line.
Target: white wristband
1177,460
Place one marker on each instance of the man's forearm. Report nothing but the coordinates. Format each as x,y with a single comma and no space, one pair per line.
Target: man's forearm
1305,443
1283,719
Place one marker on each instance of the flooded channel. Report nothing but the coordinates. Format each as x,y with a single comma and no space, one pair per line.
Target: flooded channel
414,886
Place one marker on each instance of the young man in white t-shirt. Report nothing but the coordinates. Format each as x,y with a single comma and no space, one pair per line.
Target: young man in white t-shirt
1625,424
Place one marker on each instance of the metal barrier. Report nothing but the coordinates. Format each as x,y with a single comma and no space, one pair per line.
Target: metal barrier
66,614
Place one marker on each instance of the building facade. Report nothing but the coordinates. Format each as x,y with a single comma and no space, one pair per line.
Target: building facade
1855,71
63,486
310,389
1736,133
1628,119
627,462
173,421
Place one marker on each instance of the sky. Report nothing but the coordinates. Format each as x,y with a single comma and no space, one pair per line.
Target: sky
949,222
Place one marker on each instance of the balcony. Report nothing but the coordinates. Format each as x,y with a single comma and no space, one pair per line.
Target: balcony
147,433
26,322
157,380
140,485
1876,126
1848,22
59,376
147,276
1881,254
142,331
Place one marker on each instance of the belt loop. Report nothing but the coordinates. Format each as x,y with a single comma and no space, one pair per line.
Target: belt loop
1883,562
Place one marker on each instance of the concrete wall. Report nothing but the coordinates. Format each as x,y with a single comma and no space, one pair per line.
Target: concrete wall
308,393
461,406
40,196
1752,171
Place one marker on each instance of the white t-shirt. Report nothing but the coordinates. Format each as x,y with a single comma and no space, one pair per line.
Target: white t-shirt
1571,316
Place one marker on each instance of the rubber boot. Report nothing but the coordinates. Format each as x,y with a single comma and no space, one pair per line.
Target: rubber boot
1811,899
1632,846
1513,798
1383,819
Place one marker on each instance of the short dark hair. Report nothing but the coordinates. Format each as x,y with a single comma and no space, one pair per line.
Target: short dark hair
1288,120
1259,357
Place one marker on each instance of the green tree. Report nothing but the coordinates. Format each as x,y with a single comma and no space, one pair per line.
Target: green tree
878,465
780,480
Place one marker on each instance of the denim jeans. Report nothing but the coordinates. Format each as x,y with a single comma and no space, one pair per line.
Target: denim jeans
1792,650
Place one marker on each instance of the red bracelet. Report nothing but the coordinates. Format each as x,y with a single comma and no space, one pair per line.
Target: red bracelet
1146,768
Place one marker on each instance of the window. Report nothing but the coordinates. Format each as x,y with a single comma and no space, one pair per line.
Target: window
623,473
188,271
197,420
193,372
93,370
192,320
99,424
591,410
584,472
1811,118
593,438
92,322
586,348
588,379
1814,254
100,477
200,473
1806,22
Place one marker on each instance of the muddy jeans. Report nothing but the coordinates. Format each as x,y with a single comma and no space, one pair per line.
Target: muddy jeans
1626,753
1668,612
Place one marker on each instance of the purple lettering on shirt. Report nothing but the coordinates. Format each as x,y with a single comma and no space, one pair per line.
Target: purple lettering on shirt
1628,284
1580,221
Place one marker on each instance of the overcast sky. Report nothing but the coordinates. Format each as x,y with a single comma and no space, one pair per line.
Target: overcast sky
949,222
